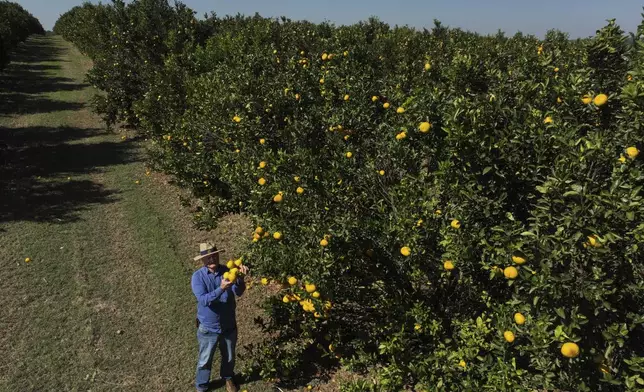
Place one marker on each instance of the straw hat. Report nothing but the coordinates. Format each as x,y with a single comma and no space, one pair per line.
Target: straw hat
206,249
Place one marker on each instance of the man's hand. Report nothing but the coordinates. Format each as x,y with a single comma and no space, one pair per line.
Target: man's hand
243,269
225,284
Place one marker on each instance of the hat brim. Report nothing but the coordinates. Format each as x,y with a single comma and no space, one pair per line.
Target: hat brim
197,258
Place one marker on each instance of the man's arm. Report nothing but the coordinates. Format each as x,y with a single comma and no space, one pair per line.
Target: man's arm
239,287
203,296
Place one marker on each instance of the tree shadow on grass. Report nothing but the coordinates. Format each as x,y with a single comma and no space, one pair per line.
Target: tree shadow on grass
27,78
37,49
314,365
34,163
39,165
20,104
52,202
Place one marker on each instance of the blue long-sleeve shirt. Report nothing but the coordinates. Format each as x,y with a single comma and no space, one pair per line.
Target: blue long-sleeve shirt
216,307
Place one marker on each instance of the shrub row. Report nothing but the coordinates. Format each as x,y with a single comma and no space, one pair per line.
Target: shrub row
16,24
443,210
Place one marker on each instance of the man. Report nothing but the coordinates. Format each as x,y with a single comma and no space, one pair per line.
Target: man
216,322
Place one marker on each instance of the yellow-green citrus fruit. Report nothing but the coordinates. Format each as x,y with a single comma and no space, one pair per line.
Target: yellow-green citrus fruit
510,272
570,350
509,336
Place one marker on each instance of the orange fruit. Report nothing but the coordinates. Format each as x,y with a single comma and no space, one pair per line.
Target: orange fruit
424,127
405,251
593,241
519,258
510,272
570,350
632,152
600,100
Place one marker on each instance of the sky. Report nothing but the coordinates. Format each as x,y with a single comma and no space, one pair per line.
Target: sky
579,18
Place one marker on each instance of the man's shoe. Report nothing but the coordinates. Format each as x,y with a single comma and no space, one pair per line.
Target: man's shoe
230,386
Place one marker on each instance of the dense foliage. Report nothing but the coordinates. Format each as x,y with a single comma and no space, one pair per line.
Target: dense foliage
16,24
445,210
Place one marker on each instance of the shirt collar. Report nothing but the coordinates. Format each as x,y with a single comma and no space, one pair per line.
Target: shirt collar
217,270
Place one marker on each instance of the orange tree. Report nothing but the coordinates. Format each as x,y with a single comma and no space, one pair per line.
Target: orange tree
435,188
16,24
128,44
446,210
87,27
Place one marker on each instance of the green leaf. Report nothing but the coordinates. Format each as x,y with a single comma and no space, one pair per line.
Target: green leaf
542,189
558,331
560,313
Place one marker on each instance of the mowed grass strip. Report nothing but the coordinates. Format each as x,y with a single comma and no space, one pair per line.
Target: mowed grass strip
46,318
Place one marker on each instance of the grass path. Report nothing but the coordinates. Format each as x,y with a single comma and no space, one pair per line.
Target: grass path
105,303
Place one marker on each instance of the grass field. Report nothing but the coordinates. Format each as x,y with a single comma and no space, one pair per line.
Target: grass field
105,302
